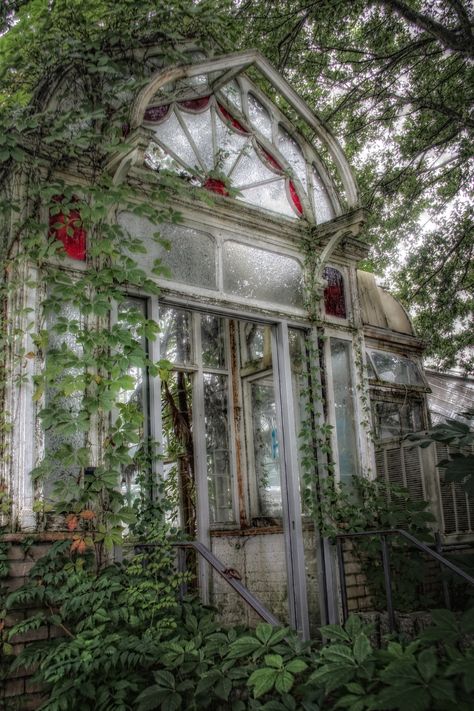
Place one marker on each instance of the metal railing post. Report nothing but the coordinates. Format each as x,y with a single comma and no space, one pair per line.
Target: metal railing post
181,560
388,581
444,582
342,579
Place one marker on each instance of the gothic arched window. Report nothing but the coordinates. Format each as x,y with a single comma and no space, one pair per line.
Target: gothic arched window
232,144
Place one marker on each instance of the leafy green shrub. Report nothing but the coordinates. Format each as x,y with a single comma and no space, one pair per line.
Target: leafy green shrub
128,644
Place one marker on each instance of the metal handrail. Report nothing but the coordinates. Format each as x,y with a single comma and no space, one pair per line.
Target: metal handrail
383,534
230,575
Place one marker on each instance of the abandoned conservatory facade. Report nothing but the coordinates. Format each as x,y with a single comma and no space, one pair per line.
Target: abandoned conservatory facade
269,329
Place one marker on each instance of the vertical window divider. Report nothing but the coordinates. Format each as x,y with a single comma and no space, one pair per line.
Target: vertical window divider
292,515
155,428
200,459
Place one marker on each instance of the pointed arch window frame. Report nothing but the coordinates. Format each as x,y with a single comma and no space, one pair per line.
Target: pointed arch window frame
221,71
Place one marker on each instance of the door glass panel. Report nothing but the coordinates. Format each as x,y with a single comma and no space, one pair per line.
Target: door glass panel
178,451
265,450
343,389
217,448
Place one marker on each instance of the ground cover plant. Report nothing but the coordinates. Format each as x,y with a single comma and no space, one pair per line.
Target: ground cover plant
126,642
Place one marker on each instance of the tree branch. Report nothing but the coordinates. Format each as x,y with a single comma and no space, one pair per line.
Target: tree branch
451,39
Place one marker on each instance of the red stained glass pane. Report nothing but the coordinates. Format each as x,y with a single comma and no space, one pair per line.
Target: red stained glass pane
156,113
71,233
295,198
334,299
269,158
195,104
232,120
216,186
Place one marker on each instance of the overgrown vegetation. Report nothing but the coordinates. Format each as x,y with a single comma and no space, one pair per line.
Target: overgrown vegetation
124,641
127,644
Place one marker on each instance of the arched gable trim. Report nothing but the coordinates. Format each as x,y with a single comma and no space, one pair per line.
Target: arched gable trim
231,65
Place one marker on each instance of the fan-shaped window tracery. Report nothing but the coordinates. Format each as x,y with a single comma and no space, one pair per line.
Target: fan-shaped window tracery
231,144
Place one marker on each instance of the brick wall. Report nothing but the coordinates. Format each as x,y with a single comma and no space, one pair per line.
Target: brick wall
17,691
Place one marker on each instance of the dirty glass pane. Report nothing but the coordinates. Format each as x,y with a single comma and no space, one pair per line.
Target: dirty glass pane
395,368
271,196
188,254
396,419
178,451
213,341
322,204
217,448
265,447
262,275
343,389
251,169
130,314
199,126
293,153
229,145
256,345
370,368
231,92
259,117
175,335
172,136
158,159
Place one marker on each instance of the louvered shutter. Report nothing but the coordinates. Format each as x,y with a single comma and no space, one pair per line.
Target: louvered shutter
458,509
398,464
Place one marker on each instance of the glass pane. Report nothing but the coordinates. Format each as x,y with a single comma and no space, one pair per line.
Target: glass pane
130,314
343,388
322,204
250,169
393,420
259,274
217,447
172,136
334,299
175,335
293,153
229,145
157,158
271,196
213,341
265,447
231,92
259,117
63,328
178,451
256,345
370,368
199,126
395,368
190,257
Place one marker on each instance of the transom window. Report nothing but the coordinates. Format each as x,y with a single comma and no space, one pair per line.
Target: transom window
232,144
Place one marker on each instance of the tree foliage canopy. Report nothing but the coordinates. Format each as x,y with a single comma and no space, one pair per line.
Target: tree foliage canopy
393,78
395,81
